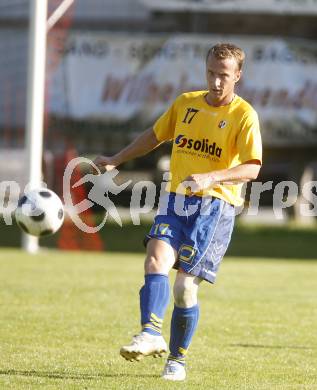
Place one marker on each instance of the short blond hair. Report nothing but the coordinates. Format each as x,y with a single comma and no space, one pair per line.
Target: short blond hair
222,51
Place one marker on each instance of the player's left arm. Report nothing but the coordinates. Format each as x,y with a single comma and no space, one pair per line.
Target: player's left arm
241,173
249,148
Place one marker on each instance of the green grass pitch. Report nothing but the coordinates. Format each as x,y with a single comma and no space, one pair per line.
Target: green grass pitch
64,317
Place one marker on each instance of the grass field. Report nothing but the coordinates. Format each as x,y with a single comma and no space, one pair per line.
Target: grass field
286,241
65,315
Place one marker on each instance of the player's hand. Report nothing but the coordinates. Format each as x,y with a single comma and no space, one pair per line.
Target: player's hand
198,182
104,164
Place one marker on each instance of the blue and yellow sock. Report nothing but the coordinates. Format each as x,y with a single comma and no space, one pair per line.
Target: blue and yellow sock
183,326
154,299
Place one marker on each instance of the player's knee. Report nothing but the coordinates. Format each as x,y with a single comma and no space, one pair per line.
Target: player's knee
154,264
160,257
185,293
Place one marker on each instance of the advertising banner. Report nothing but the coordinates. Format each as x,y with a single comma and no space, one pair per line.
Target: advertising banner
114,77
302,7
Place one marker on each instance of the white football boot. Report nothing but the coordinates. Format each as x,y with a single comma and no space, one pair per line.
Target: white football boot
174,371
144,344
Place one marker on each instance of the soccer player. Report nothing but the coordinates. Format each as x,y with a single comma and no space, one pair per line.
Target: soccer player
216,147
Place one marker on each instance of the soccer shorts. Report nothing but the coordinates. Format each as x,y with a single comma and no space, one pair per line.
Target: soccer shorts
198,228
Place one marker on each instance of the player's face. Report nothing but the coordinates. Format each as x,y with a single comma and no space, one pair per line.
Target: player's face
222,76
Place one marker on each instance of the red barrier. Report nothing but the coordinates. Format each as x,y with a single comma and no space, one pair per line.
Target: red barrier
70,237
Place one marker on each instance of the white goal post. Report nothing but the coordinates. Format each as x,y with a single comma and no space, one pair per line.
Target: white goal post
39,26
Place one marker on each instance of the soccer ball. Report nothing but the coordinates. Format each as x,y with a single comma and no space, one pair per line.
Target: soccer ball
40,212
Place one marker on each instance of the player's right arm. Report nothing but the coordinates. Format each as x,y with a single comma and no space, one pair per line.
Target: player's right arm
142,145
163,130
